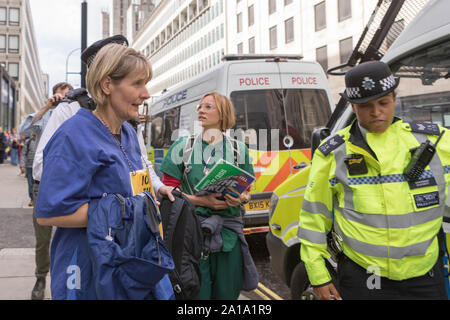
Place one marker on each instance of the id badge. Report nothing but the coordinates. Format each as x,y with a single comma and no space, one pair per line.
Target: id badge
140,182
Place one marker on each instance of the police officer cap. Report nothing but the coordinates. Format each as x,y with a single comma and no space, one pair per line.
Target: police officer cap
89,53
369,81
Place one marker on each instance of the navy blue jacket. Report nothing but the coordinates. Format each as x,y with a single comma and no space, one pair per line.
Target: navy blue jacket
129,258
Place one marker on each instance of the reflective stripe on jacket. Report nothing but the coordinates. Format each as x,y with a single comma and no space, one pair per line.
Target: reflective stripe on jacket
383,221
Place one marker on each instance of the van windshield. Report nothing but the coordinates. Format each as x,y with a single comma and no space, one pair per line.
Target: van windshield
261,115
424,85
163,125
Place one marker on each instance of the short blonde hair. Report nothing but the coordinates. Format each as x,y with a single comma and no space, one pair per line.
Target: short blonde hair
117,62
226,110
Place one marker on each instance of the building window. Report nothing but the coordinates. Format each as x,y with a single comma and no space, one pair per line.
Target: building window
251,15
273,38
14,16
272,6
239,22
13,70
2,15
289,30
322,57
2,43
344,10
345,49
320,16
13,44
240,48
251,45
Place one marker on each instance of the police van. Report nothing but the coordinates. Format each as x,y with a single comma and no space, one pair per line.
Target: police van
279,101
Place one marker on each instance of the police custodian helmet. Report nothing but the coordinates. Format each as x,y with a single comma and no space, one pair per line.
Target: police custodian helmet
369,81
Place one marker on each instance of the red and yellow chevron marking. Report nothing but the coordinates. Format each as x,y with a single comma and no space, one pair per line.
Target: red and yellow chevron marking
274,167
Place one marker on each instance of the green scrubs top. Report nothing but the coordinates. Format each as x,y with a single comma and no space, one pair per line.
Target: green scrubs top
217,269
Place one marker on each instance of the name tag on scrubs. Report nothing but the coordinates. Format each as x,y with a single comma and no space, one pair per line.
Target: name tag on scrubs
140,182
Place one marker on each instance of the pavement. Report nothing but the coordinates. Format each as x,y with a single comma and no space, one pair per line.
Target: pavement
17,257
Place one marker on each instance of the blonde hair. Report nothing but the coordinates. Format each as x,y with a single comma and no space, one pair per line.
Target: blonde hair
117,62
226,110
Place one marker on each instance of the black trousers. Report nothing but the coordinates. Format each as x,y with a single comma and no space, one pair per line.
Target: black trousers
355,283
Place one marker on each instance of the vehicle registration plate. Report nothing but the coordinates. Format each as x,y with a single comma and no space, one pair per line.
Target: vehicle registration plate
255,205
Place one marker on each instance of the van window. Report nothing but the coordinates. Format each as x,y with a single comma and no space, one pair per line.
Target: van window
424,82
163,124
307,109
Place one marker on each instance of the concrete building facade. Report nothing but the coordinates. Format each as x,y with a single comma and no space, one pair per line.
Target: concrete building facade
19,55
126,17
183,38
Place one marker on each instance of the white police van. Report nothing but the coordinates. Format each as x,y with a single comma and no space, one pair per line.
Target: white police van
279,101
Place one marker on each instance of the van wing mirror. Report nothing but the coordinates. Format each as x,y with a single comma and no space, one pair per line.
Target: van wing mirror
316,138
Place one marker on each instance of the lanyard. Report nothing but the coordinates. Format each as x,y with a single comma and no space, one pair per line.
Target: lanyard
213,153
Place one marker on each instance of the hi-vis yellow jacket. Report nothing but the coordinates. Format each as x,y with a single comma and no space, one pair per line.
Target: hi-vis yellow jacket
383,220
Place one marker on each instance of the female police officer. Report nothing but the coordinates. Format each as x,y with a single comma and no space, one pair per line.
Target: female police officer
385,222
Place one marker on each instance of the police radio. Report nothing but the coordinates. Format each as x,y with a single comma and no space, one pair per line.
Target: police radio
421,158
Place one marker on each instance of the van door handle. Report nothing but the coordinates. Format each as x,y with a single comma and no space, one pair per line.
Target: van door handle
301,165
276,227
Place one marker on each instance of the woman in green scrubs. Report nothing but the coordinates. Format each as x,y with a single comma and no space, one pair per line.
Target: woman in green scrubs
221,272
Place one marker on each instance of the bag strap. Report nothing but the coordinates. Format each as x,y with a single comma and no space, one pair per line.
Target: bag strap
176,208
175,217
236,152
186,168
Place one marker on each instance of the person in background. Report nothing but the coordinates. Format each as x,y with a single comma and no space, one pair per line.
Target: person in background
2,145
26,163
8,149
14,144
36,123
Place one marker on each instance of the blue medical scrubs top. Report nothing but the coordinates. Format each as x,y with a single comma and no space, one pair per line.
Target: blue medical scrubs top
82,161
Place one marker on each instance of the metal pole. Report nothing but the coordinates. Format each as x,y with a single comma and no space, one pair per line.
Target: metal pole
67,64
83,40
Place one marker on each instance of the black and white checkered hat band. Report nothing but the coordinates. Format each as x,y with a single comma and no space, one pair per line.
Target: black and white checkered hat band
353,93
388,83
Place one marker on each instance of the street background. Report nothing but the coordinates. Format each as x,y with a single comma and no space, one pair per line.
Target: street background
16,237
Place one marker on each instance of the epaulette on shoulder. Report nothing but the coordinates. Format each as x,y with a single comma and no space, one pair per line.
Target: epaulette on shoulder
331,144
425,128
